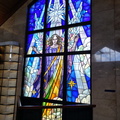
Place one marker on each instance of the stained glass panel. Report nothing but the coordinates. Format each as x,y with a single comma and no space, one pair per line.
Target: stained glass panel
77,72
32,77
79,11
53,78
79,38
56,13
51,113
55,41
78,78
35,43
36,15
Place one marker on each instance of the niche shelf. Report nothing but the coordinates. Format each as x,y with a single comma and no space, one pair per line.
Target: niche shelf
9,58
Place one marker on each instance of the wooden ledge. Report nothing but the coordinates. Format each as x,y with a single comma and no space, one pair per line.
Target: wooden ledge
62,106
20,106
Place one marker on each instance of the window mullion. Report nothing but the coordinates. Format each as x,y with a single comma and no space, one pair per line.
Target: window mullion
43,55
65,55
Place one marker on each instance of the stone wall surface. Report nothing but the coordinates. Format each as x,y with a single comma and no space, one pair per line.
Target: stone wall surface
117,47
106,59
105,54
14,30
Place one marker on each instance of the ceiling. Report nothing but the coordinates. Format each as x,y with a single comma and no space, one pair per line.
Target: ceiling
8,8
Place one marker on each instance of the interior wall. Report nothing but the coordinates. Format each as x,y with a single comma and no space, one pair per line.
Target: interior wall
105,54
14,30
106,59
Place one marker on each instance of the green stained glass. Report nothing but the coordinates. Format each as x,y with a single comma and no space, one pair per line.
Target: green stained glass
53,78
51,113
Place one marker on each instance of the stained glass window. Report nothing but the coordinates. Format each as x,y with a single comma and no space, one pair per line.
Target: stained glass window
79,38
56,13
53,77
36,15
52,113
32,77
79,11
78,78
58,54
35,43
55,41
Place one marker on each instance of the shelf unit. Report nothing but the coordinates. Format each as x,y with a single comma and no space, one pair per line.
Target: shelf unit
9,59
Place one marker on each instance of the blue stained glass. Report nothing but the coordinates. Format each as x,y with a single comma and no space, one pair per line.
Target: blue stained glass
56,13
78,81
29,41
35,43
36,15
32,77
78,11
79,38
87,29
78,78
75,94
88,81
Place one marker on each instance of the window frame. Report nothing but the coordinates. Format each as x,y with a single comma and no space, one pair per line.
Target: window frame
43,55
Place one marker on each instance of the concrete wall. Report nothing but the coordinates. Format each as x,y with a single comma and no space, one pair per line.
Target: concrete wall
105,58
14,30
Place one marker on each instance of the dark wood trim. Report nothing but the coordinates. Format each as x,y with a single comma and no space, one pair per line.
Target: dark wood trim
63,106
8,13
21,107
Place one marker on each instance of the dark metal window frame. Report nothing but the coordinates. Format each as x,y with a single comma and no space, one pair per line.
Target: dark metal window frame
38,101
